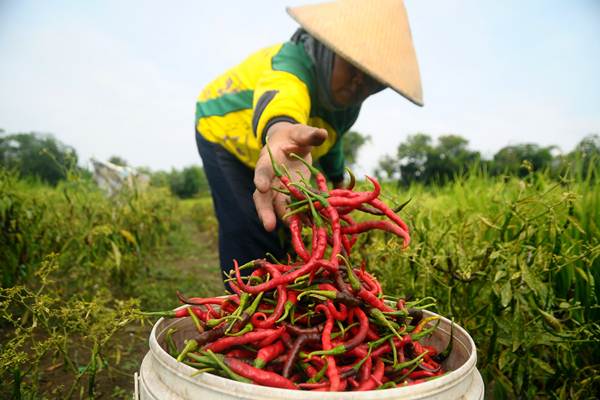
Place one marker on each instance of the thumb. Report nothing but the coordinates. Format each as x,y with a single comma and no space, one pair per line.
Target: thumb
304,135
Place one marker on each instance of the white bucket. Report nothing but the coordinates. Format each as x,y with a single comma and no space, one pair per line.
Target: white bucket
161,377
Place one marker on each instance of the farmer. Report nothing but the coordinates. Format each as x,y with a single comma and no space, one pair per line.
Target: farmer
299,97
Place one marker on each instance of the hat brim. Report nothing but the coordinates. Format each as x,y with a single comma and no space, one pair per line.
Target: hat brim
377,40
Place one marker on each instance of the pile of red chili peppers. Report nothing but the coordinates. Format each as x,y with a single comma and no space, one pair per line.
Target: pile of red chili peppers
316,323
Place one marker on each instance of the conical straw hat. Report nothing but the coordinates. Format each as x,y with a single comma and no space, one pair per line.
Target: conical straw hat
374,35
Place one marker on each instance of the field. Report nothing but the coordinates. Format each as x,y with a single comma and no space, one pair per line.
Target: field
514,261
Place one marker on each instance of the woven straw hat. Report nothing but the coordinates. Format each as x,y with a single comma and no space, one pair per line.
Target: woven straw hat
374,35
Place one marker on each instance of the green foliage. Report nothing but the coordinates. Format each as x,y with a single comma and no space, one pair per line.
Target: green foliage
517,263
36,155
50,331
584,161
70,256
418,160
203,214
107,237
191,181
187,183
351,145
510,159
118,160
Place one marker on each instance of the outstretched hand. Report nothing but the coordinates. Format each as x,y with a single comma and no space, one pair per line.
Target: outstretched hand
283,139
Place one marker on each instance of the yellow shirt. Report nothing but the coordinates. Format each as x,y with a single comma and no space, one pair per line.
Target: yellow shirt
274,84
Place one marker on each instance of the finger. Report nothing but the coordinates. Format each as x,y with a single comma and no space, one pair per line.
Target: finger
263,173
305,135
280,202
264,208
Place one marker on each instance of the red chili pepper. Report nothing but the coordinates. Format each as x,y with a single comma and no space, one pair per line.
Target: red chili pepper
337,315
372,334
273,283
365,370
219,345
309,369
281,300
374,286
198,301
259,376
313,385
342,199
332,371
295,225
268,353
422,374
373,300
240,353
347,244
292,298
235,288
179,313
297,194
377,376
315,237
270,339
380,205
336,232
387,226
211,311
319,251
286,339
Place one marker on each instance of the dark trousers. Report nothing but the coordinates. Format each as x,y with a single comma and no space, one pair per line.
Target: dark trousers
241,234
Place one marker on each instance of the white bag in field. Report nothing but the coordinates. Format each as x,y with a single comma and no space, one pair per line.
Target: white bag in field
112,178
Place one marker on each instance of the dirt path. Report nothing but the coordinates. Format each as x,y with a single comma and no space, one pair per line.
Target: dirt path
189,263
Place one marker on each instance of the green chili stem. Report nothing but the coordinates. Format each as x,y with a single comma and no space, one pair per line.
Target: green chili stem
246,329
227,370
196,320
320,374
190,345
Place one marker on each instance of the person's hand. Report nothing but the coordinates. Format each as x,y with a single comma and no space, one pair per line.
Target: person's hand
283,139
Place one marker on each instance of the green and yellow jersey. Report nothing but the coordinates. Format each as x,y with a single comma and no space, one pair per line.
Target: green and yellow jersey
274,84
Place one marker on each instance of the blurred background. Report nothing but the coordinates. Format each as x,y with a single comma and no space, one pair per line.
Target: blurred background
105,211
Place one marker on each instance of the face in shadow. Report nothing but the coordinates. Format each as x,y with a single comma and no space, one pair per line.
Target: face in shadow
350,85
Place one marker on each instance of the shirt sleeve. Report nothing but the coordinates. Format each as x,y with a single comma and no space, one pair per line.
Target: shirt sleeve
279,96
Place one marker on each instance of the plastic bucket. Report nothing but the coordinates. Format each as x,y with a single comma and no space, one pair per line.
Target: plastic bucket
161,377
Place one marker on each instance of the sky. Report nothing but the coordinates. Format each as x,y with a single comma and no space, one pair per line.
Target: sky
121,77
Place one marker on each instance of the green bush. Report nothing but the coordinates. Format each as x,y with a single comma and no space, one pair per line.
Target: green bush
69,257
35,155
515,262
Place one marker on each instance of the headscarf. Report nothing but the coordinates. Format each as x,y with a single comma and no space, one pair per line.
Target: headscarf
322,58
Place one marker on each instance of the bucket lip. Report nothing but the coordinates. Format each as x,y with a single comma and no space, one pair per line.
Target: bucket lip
224,385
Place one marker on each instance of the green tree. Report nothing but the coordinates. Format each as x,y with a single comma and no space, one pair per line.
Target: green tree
160,179
190,182
450,158
387,165
413,156
351,145
419,160
521,159
584,160
37,155
118,160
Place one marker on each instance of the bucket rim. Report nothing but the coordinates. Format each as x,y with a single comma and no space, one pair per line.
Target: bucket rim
251,391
